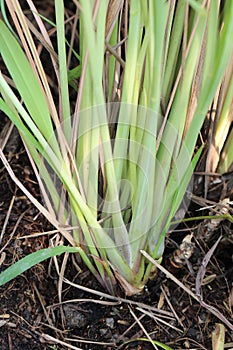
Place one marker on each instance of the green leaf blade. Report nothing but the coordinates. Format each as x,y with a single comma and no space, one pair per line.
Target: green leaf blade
31,260
25,80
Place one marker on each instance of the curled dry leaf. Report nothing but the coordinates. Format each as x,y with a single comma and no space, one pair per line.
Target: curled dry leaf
222,209
218,337
183,253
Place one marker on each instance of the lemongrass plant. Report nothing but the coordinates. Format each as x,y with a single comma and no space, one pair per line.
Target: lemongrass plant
113,173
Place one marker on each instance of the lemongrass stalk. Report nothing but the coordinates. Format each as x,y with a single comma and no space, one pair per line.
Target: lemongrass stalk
112,66
144,199
158,15
223,134
120,231
174,193
63,72
129,95
213,75
172,137
94,47
174,48
139,124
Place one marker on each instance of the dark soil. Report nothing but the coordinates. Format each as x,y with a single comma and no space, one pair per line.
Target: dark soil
32,318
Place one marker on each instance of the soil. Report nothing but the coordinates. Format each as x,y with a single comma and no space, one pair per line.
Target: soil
32,316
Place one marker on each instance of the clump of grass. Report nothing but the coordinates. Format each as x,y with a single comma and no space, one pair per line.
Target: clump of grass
147,74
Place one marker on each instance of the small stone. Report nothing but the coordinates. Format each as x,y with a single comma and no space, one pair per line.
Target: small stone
110,322
75,318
